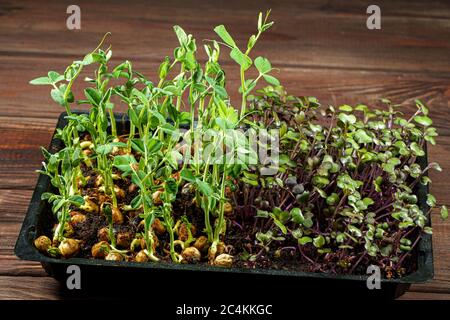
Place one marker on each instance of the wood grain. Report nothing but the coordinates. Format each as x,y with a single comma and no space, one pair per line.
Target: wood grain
319,34
421,296
20,156
321,47
29,288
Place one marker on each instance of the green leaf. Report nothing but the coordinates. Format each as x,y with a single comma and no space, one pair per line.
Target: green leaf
425,180
308,223
430,134
435,166
405,248
346,108
204,188
368,201
41,81
251,42
164,68
262,214
242,59
171,187
250,181
77,200
428,230
173,158
315,128
271,80
55,76
187,175
444,212
361,136
267,26
154,145
391,164
421,107
141,96
423,120
124,162
386,251
136,202
354,230
319,241
221,91
88,59
297,233
304,240
93,96
340,237
263,65
321,182
279,224
345,182
405,224
250,175
133,117
260,21
332,199
224,35
297,215
431,200
416,149
57,96
181,35
137,145
394,161
104,149
347,118
46,195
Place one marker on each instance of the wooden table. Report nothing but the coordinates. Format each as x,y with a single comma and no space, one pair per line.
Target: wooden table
323,48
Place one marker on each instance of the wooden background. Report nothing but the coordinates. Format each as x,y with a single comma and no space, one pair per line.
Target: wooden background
322,48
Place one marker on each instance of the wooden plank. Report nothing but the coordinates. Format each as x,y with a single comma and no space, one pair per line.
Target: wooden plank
425,296
13,205
29,288
9,263
431,9
20,156
326,35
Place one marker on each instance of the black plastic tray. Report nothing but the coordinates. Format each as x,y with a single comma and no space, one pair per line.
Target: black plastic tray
96,272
